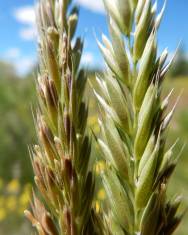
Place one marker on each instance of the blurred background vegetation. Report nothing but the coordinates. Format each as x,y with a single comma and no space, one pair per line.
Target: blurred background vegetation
17,132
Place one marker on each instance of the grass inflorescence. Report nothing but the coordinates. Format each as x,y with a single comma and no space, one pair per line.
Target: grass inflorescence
134,122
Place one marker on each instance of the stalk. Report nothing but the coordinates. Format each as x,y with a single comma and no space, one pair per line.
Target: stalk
134,122
61,160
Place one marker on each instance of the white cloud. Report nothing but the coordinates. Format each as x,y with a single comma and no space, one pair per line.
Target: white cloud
87,59
12,53
26,16
28,33
93,5
24,64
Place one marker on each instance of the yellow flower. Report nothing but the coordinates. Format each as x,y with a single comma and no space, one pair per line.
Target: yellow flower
100,166
2,214
101,194
13,186
97,206
25,199
11,203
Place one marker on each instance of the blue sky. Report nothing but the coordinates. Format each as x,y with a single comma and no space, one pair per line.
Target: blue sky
17,29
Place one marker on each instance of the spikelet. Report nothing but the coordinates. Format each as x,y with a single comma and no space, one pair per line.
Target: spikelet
134,121
61,159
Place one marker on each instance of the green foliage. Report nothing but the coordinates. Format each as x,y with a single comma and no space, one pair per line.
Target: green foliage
7,70
61,159
179,129
180,66
16,132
